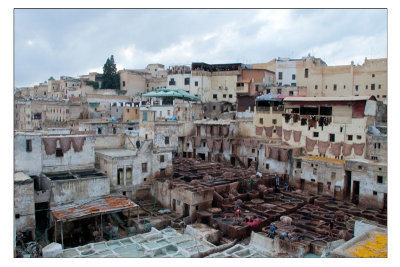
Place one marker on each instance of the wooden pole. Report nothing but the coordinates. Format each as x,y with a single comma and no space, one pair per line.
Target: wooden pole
62,235
55,230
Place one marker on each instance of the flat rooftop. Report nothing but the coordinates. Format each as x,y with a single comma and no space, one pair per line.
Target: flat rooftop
117,152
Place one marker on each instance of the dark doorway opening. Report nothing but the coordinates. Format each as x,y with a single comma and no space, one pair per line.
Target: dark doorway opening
356,191
174,204
120,176
384,201
302,182
347,185
186,210
320,188
202,156
41,215
233,161
249,162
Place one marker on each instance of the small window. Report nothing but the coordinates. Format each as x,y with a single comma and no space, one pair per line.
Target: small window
375,193
344,86
123,84
305,73
326,86
187,81
215,96
167,140
332,137
230,95
356,87
267,166
360,167
268,91
293,76
334,87
98,130
213,107
316,134
144,167
373,75
372,86
280,76
29,145
341,129
59,152
162,158
196,83
366,87
379,86
312,180
359,137
114,130
350,137
257,88
314,171
261,121
290,92
316,87
379,179
224,95
298,164
274,121
279,91
253,151
384,96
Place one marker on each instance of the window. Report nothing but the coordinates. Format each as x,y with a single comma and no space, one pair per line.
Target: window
123,84
29,145
305,73
279,91
373,75
290,92
147,85
196,83
266,166
314,171
372,86
334,87
59,152
379,86
326,86
213,107
98,130
293,76
350,137
375,193
261,121
379,179
253,151
268,91
257,88
356,87
144,115
224,95
169,112
360,167
383,96
344,86
316,87
341,129
312,180
167,140
274,121
187,81
366,87
333,175
114,130
172,81
144,167
162,158
230,95
298,164
359,137
316,134
215,96
280,76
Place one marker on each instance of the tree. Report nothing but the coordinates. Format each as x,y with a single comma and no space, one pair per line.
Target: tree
110,75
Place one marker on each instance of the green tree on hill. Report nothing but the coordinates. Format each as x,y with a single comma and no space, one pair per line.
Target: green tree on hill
110,75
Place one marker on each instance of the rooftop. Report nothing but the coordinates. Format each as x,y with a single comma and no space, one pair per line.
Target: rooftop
20,177
328,98
117,152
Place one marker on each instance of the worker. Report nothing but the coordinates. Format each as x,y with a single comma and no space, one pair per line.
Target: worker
272,229
276,179
256,165
285,186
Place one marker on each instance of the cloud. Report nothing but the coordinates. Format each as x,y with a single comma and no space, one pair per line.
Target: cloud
73,41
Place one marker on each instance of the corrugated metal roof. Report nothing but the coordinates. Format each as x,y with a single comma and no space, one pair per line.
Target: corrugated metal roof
165,92
83,208
276,97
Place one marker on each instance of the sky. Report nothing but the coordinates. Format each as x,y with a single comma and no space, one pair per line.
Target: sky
74,42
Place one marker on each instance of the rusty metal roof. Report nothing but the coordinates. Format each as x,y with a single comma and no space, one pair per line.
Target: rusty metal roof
92,207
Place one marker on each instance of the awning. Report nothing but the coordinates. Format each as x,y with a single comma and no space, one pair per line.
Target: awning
92,207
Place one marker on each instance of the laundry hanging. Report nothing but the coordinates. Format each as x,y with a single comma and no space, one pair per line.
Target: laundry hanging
225,130
310,144
215,130
303,121
247,142
65,143
346,150
323,146
217,144
278,130
274,153
196,141
259,130
226,144
284,154
296,118
296,136
286,134
77,143
210,142
50,145
268,131
267,151
358,149
312,123
336,147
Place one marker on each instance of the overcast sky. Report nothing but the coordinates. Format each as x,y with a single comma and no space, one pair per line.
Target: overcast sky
75,42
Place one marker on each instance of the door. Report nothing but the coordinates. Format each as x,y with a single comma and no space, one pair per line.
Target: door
356,191
174,204
302,182
233,161
186,210
129,176
347,185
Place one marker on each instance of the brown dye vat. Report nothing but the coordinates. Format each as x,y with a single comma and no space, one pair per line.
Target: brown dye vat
268,198
257,201
317,247
253,195
214,210
227,207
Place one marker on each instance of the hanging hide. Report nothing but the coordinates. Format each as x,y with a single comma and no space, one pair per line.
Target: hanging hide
268,131
278,130
77,143
346,150
65,143
210,143
50,145
284,154
358,149
215,130
225,130
274,153
208,129
259,130
226,144
286,134
322,147
267,151
310,144
296,136
217,144
336,147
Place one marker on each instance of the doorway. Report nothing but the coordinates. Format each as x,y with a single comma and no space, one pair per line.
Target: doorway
384,201
233,161
347,185
356,191
120,176
302,182
174,204
186,210
202,156
249,160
